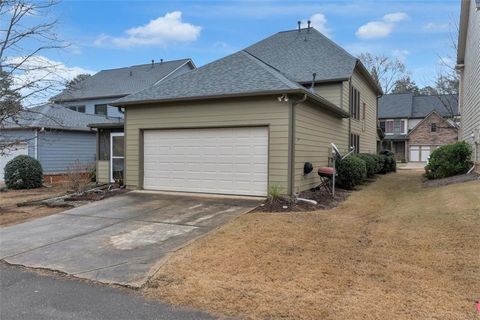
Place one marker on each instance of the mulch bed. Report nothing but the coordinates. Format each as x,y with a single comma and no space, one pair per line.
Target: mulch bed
95,195
324,202
451,180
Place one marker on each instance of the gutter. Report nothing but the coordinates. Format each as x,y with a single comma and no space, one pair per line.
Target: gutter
291,143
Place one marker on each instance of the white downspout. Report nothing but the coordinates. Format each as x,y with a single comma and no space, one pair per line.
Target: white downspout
36,144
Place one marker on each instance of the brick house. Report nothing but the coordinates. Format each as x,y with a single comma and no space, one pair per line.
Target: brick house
414,125
433,131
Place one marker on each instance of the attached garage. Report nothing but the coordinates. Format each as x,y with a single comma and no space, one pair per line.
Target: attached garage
208,160
20,149
419,153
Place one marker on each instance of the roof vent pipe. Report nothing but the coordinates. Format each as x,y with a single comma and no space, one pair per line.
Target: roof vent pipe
308,23
161,60
299,25
153,63
131,73
312,88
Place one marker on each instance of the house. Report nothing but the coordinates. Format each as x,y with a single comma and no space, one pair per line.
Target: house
468,64
414,125
94,94
248,121
52,134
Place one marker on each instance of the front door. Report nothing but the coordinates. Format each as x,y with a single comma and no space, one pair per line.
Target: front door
117,156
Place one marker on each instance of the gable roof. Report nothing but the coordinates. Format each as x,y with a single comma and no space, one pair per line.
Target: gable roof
407,105
122,81
235,74
428,116
282,62
300,53
444,105
54,116
397,105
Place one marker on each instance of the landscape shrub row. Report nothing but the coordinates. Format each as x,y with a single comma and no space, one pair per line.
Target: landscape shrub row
355,169
449,160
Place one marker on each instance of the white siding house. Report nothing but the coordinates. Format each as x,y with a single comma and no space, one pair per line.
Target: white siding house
468,63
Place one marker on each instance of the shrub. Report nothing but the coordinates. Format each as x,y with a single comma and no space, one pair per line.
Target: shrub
370,162
449,160
351,171
23,172
378,163
78,176
389,162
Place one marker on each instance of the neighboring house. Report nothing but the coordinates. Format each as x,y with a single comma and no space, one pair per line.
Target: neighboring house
248,121
468,63
94,94
52,134
415,125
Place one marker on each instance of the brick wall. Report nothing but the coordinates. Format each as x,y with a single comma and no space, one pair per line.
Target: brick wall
445,134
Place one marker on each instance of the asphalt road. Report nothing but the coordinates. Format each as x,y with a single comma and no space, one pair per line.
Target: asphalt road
29,295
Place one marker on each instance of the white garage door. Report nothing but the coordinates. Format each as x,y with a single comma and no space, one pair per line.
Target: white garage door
419,153
414,153
216,160
10,154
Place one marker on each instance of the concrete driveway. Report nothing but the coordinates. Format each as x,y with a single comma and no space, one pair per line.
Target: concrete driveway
117,240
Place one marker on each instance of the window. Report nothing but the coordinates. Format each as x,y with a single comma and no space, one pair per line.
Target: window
382,125
433,127
101,109
355,142
77,108
355,103
395,127
117,158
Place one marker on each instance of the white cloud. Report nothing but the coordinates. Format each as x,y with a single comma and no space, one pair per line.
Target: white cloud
381,28
436,27
400,54
40,78
319,22
395,17
160,32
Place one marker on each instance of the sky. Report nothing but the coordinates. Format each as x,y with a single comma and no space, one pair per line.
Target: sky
112,34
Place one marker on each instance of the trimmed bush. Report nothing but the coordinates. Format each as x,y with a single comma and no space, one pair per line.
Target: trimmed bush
23,172
370,162
389,162
449,160
379,163
351,171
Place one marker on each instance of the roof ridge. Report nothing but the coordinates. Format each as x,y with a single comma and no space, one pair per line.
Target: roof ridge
275,72
147,64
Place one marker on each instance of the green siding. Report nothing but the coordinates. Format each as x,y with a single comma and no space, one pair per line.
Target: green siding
203,114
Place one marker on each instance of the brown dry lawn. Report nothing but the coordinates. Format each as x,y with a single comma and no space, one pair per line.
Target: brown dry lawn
393,250
10,213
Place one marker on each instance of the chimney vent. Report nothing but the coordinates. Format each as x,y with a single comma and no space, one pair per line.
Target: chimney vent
153,63
161,60
308,23
299,25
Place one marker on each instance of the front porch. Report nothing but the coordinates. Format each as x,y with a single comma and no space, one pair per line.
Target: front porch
398,147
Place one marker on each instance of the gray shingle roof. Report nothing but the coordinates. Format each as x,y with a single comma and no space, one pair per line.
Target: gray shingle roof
239,73
444,105
398,105
299,54
121,81
56,117
406,105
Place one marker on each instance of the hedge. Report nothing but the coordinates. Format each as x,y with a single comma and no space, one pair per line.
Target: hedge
351,171
449,160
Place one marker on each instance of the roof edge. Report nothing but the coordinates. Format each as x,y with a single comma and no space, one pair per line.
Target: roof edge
462,34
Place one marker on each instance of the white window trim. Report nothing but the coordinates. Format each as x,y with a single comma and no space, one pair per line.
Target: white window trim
405,126
115,134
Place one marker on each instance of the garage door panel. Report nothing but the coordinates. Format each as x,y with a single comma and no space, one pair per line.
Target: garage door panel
227,160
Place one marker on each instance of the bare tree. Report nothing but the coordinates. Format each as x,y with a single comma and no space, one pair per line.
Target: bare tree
27,78
385,70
